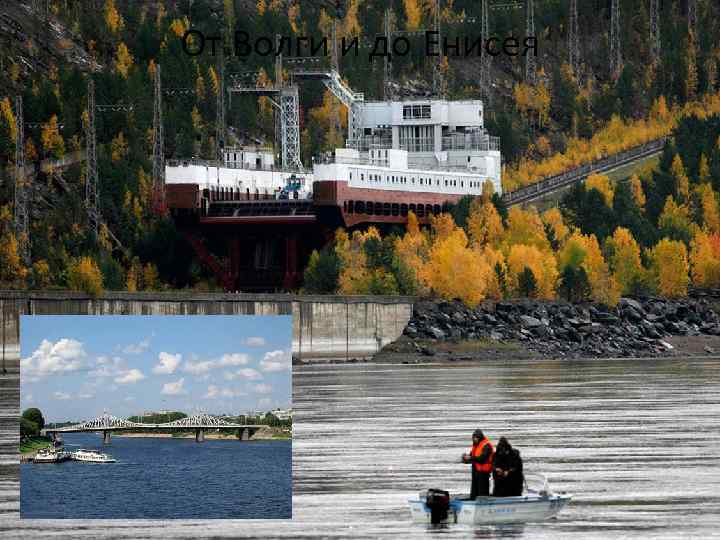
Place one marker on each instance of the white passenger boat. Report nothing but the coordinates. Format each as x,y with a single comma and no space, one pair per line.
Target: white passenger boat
92,455
50,455
537,504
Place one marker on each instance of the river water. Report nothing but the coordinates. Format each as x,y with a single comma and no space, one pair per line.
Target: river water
636,442
162,478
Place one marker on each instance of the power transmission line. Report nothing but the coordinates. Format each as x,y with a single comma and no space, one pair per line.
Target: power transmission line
574,39
655,41
158,147
530,62
615,45
91,180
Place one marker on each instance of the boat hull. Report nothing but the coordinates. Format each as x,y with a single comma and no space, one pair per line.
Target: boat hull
495,510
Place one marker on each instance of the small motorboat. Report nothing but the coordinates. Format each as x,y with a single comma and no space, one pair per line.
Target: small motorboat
50,455
92,456
537,504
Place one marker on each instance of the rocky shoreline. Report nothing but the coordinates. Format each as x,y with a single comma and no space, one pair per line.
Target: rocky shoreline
636,327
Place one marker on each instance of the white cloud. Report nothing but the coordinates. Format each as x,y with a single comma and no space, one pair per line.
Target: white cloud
276,361
168,363
255,341
85,396
137,348
28,398
262,388
214,392
198,368
130,377
108,367
226,360
174,388
264,402
245,373
61,395
64,356
130,398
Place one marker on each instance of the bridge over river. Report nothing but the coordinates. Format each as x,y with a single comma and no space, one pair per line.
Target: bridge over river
197,422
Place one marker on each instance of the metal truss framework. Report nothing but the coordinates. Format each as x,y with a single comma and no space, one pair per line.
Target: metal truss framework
22,199
158,147
655,41
574,39
530,62
615,45
109,422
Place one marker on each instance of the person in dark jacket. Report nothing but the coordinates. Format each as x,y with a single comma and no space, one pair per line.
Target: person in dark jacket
481,459
508,479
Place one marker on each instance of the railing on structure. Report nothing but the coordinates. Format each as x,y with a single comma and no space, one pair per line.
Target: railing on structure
470,142
226,165
412,169
553,183
417,144
363,144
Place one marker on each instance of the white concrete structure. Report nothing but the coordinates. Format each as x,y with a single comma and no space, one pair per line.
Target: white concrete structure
434,133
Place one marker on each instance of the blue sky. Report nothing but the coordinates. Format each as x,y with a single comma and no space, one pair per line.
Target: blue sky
76,367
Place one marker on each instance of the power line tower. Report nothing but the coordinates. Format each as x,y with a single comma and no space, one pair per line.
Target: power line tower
387,88
574,39
158,148
485,58
655,42
91,180
22,230
530,62
615,46
438,82
220,127
692,18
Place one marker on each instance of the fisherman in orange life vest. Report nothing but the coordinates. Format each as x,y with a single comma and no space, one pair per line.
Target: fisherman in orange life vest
481,458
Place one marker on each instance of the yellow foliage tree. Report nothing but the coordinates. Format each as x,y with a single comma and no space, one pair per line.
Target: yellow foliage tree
675,217
553,219
541,263
12,270
118,148
413,248
603,286
682,182
41,274
496,262
484,224
637,191
704,169
113,19
200,90
8,117
123,60
454,270
525,227
413,10
705,259
84,275
669,267
52,141
151,277
602,184
326,116
708,202
214,80
354,274
624,258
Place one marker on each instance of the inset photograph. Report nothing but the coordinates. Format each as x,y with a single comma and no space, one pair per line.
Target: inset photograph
156,417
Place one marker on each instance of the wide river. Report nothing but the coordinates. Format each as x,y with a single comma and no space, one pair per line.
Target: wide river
636,442
162,478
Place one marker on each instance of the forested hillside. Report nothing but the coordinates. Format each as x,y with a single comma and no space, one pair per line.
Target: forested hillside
567,117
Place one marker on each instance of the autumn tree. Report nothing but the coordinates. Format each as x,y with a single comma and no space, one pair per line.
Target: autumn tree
525,227
123,60
602,184
637,191
84,275
541,263
705,259
484,223
624,258
413,249
52,142
322,272
669,267
113,19
454,270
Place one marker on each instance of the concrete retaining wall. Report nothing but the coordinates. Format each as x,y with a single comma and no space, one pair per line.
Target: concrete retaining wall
324,327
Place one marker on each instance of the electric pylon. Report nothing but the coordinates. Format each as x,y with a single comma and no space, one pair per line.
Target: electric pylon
655,42
387,89
22,230
615,45
91,180
530,62
220,127
574,39
485,58
692,18
158,148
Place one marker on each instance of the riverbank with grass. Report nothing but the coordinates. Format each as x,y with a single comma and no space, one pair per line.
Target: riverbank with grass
30,446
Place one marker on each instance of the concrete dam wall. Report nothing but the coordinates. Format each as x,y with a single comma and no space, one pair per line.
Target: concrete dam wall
324,327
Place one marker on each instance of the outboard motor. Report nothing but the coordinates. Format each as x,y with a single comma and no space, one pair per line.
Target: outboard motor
438,501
